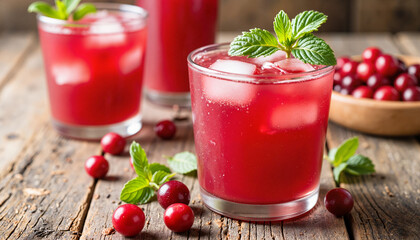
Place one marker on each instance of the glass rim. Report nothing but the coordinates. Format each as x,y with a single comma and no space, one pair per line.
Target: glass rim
143,15
250,78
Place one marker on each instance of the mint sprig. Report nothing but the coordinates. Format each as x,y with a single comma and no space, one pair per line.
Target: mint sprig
344,159
63,10
293,37
150,176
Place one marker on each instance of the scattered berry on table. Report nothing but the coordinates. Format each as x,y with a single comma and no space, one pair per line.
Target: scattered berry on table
178,217
338,201
128,220
97,166
113,143
165,129
173,192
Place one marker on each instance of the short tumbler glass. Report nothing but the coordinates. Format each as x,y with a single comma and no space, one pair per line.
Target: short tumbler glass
94,70
259,139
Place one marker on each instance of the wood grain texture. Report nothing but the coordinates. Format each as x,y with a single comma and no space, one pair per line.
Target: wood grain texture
409,43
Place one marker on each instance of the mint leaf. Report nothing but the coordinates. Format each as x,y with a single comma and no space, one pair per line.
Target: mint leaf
154,167
345,151
61,9
183,162
161,177
140,163
307,22
358,165
313,50
44,9
83,10
282,27
71,5
331,154
338,170
255,43
137,190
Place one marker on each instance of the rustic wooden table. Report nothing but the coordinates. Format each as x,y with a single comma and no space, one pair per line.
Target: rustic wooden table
68,204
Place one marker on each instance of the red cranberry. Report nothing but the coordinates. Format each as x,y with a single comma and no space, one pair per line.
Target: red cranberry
365,70
386,93
339,201
337,78
414,70
401,66
362,92
411,94
403,81
376,80
97,166
178,217
386,65
337,88
349,68
165,129
350,82
173,192
113,143
345,91
128,220
341,61
370,54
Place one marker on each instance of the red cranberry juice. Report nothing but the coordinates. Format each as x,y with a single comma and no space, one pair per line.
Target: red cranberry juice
175,29
259,143
94,73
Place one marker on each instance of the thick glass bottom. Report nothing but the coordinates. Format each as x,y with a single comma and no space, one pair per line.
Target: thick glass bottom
169,99
260,212
125,129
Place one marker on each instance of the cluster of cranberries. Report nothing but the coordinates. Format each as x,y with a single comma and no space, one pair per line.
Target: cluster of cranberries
379,76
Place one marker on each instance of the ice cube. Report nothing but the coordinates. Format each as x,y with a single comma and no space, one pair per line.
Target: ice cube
294,65
106,32
277,56
70,73
228,92
131,60
233,66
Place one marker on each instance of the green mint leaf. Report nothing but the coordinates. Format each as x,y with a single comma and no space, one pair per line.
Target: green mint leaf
345,151
282,27
307,22
359,165
83,10
136,191
255,43
161,177
154,167
331,154
183,162
338,170
140,163
313,50
71,5
44,9
61,8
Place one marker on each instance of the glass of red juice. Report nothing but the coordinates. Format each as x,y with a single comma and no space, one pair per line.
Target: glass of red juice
259,130
94,70
176,27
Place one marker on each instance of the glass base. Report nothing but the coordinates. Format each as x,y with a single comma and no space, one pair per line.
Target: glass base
125,129
260,212
183,99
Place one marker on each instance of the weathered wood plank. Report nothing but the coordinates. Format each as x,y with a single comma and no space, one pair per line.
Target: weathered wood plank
409,43
386,203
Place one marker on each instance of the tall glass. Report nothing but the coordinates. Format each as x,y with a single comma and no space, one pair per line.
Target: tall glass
259,139
176,27
94,70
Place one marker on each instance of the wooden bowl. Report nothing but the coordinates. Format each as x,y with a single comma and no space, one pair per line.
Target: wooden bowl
385,118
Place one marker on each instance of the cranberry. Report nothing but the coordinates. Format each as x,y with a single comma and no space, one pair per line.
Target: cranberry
350,83
365,70
401,66
337,88
165,129
370,54
128,219
97,166
173,192
341,61
349,68
113,143
386,93
339,201
376,80
414,70
386,65
411,94
362,92
345,91
403,81
337,78
178,217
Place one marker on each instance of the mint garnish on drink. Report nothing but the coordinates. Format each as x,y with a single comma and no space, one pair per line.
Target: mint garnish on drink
151,176
63,10
344,159
293,37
